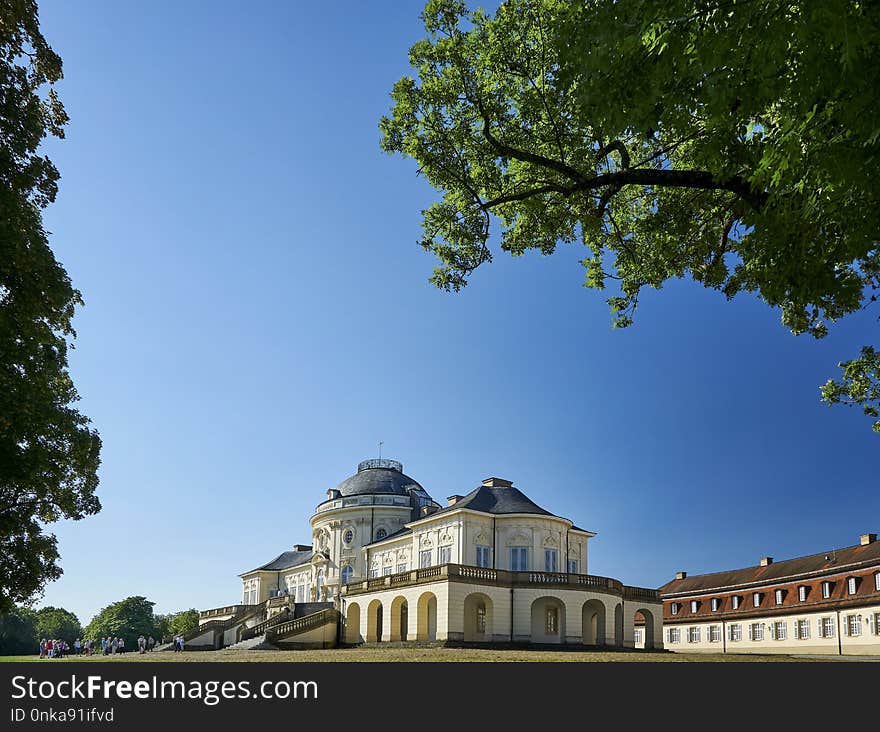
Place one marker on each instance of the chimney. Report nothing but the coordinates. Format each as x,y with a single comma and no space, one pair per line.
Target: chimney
428,510
497,483
866,539
680,575
452,500
333,493
766,561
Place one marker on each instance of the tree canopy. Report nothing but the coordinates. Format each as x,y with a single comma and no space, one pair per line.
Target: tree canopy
725,141
126,619
49,454
56,622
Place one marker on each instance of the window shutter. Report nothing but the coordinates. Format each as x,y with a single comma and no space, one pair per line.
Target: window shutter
751,632
846,626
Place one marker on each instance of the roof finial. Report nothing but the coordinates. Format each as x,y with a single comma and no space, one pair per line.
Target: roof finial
380,448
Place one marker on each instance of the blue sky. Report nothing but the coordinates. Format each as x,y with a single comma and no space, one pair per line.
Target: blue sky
258,317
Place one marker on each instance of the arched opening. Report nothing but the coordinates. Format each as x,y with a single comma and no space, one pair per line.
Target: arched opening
618,624
399,612
426,610
353,623
644,622
548,620
593,617
319,585
374,622
478,616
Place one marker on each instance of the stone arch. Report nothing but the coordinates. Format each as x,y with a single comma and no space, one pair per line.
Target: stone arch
353,623
399,618
478,617
593,618
426,610
548,620
374,622
647,618
618,624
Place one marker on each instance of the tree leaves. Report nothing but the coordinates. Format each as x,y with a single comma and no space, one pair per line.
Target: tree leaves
729,143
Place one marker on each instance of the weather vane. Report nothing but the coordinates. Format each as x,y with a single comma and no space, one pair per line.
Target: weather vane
380,449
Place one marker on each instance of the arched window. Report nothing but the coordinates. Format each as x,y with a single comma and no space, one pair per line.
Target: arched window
381,534
347,572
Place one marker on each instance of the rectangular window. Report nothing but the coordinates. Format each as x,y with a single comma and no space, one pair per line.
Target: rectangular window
374,573
827,627
551,621
779,630
802,629
481,618
802,593
483,556
675,635
637,637
694,606
674,607
445,554
735,632
693,635
401,568
736,600
756,632
424,558
550,561
877,581
572,566
851,585
854,624
876,623
386,570
716,603
714,633
780,596
519,558
826,590
756,599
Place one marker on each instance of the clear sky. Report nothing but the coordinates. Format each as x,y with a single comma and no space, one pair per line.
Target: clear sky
258,317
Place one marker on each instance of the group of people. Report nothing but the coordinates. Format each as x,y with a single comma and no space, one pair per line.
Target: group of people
54,648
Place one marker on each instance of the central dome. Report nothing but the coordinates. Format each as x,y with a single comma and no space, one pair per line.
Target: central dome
378,476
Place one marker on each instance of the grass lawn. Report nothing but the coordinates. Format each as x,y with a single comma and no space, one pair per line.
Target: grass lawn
417,654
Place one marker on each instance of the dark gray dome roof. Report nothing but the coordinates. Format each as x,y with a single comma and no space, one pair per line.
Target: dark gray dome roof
378,476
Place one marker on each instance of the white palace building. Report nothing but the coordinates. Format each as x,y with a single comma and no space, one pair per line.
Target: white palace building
387,563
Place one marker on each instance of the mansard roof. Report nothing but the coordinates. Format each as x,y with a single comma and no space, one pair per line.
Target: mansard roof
285,560
830,562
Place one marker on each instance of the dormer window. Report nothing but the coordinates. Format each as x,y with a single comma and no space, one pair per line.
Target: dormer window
381,534
756,599
716,603
877,581
674,608
826,590
802,593
852,584
736,600
779,595
694,606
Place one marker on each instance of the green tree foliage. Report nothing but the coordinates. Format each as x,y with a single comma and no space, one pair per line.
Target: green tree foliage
126,619
725,141
56,622
860,385
183,622
18,633
49,455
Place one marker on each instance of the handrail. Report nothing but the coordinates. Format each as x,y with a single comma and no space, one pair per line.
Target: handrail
299,625
467,573
260,628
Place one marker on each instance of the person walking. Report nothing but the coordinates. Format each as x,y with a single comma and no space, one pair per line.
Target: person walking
122,645
50,650
114,645
142,644
42,648
151,642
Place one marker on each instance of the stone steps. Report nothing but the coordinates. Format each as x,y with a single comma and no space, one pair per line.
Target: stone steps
257,643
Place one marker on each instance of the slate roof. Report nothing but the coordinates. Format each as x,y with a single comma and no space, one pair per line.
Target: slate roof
836,560
285,560
497,500
377,480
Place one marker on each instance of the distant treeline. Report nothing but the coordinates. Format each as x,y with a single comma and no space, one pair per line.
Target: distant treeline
22,629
